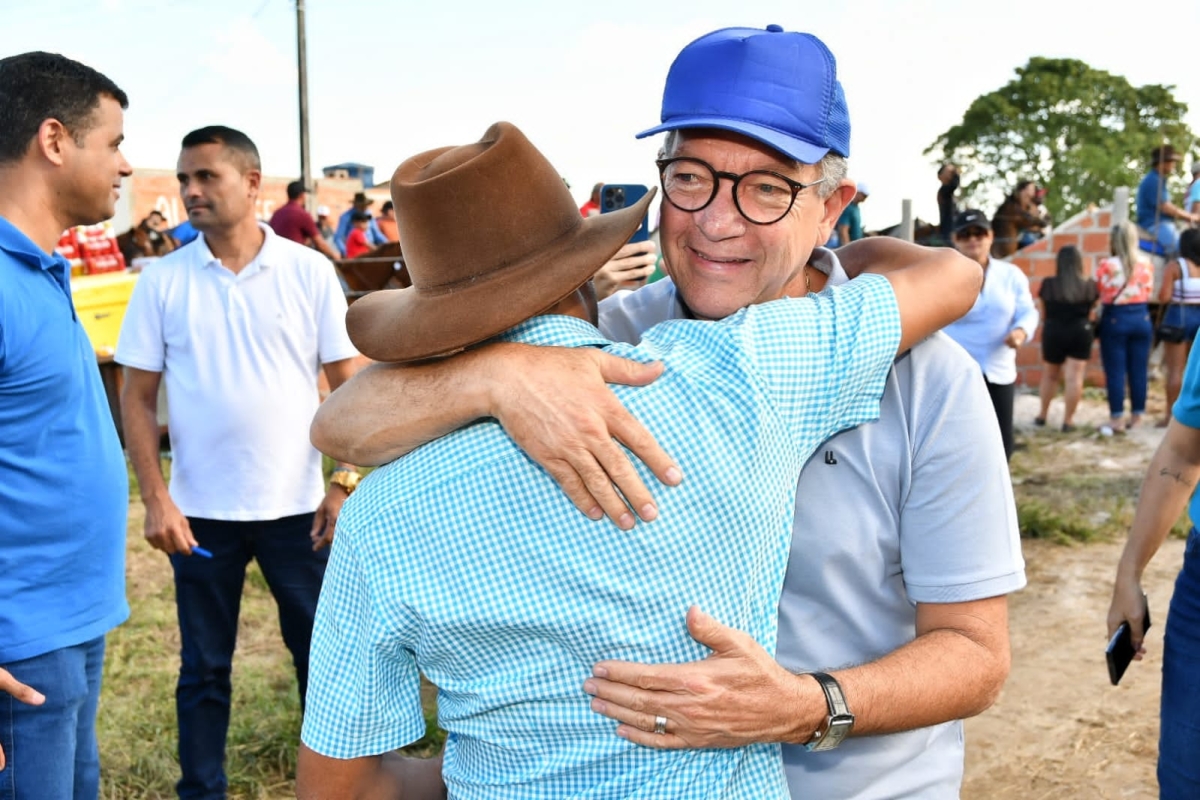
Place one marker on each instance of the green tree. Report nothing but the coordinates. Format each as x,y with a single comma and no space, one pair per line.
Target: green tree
1078,131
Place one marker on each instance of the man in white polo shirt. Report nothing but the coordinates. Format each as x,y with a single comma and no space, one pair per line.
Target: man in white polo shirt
239,323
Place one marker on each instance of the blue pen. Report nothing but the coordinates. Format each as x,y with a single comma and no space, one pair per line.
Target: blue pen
200,551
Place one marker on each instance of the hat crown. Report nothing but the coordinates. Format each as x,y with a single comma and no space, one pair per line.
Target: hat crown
775,85
470,211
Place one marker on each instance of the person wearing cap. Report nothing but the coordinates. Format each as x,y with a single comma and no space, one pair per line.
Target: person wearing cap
237,324
1003,319
325,228
1156,214
849,224
463,561
356,241
898,570
360,203
292,221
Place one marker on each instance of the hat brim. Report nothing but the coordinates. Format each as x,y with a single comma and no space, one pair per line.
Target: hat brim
414,324
802,151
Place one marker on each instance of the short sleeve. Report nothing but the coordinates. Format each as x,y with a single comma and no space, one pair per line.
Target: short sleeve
364,690
959,541
141,343
1187,407
333,342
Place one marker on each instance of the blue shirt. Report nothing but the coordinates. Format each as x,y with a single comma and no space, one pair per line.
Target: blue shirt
374,236
1151,193
465,561
1003,304
64,491
1187,411
184,232
852,219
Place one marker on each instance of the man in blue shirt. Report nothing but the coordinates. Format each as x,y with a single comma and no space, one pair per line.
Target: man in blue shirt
63,485
464,561
1156,214
346,221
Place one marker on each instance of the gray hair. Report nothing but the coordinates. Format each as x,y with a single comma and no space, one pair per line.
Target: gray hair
834,168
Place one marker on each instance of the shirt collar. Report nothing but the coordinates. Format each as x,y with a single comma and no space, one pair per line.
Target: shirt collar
555,330
16,243
267,255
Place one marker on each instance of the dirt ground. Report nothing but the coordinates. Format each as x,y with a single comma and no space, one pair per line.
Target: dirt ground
1059,729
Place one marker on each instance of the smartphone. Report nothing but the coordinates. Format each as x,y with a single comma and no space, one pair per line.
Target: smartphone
614,196
1120,648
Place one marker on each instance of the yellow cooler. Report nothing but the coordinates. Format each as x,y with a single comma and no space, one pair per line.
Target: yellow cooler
100,302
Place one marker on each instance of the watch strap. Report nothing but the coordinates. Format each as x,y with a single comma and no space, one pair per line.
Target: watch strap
840,721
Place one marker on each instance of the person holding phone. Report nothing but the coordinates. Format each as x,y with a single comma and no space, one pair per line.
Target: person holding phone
1169,483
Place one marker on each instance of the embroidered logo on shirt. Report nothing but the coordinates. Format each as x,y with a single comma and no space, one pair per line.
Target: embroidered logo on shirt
830,458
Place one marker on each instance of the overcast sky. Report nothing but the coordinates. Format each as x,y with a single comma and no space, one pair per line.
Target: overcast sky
390,79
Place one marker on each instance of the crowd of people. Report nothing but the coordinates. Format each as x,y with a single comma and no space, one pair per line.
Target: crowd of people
797,608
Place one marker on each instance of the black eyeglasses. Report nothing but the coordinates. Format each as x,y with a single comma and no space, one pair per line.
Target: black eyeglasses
761,196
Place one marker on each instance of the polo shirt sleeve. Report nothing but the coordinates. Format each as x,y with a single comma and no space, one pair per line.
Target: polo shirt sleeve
823,359
333,342
1187,407
959,537
142,342
364,689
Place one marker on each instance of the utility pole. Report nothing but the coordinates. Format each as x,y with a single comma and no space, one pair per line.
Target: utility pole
305,161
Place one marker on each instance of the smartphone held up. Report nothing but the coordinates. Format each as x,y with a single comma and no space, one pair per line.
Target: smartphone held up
614,196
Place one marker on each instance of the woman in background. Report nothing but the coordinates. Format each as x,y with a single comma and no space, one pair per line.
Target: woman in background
1068,300
1126,281
1180,294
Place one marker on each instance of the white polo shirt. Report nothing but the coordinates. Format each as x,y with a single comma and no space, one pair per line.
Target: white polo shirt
240,355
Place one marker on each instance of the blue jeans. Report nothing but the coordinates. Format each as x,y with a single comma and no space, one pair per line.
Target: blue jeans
1179,740
208,596
1125,338
51,749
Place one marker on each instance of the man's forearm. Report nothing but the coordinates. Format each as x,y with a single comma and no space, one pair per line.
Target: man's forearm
387,410
387,777
140,421
940,676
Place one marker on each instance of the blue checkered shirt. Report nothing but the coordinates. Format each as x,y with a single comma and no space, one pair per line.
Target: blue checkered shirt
464,560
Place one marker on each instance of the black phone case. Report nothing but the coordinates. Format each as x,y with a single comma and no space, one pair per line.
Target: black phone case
1120,649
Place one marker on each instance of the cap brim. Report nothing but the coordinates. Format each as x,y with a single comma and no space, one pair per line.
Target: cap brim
802,151
413,324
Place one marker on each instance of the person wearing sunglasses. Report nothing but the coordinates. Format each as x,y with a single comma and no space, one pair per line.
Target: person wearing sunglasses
1003,319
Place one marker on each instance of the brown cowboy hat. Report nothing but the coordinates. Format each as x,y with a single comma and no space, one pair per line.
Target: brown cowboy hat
491,238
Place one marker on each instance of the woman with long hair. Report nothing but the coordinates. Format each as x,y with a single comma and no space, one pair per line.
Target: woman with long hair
1126,281
1180,294
1067,302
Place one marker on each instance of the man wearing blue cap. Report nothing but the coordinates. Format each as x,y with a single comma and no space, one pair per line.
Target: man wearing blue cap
893,617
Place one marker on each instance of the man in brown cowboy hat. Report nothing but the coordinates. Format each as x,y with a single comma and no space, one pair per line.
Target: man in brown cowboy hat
463,562
361,203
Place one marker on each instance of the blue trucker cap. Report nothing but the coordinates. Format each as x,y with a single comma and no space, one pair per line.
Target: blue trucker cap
778,87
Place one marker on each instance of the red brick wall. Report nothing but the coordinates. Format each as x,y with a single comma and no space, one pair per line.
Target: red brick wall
1090,234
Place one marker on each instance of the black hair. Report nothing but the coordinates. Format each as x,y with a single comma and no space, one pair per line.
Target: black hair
1068,277
296,189
38,86
359,216
230,139
388,206
1189,245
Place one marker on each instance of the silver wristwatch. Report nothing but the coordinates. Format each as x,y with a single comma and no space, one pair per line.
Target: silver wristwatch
839,723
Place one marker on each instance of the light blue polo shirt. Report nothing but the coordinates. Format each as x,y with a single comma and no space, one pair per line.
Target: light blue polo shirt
64,491
465,561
